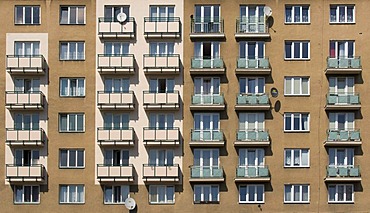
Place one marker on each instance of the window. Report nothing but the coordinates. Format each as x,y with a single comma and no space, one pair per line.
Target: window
340,193
251,194
72,87
116,194
160,157
252,19
251,50
297,86
206,86
206,124
71,122
72,15
116,121
206,50
296,122
72,51
161,121
342,121
161,48
297,194
342,49
162,85
26,122
161,194
207,160
161,13
113,157
251,121
297,50
296,158
24,85
341,85
26,194
116,85
341,157
27,15
297,14
252,85
116,48
342,14
206,193
72,158
111,12
72,194
24,157
207,19
26,48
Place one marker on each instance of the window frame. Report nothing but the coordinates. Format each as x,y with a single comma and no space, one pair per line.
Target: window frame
292,50
202,186
23,194
34,157
166,201
68,95
67,122
292,86
122,200
24,15
156,154
292,9
123,162
77,152
292,156
68,186
34,122
68,57
292,191
300,121
344,194
337,18
77,7
248,186
158,124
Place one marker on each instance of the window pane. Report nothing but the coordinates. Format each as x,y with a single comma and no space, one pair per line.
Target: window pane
304,86
72,157
288,193
81,15
72,15
242,193
260,192
108,194
305,50
63,122
214,192
63,158
305,193
27,15
288,50
64,15
19,15
80,122
36,15
18,194
35,194
251,193
297,50
80,158
63,194
288,122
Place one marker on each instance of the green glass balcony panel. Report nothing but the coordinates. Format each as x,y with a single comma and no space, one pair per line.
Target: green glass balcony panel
263,99
242,99
197,99
343,172
355,63
263,136
354,99
252,135
217,172
207,63
207,99
355,135
218,136
241,136
207,135
252,172
242,63
252,63
332,172
264,63
196,63
342,99
252,99
344,135
195,172
217,63
354,172
195,136
218,99
332,62
263,172
333,136
343,63
206,172
240,172
332,99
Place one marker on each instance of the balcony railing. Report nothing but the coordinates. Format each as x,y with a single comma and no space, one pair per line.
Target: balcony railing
254,63
24,100
161,173
253,135
162,63
208,99
343,100
207,63
162,27
344,63
116,63
207,135
26,64
341,171
108,28
24,137
113,173
206,173
121,100
116,136
254,26
31,173
168,100
161,136
252,172
343,135
207,25
252,101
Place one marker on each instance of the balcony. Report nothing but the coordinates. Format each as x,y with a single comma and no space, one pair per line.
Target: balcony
29,64
116,101
344,101
343,174
112,173
160,174
255,102
207,28
256,66
336,137
21,100
207,102
247,28
343,66
204,66
162,27
22,137
252,138
161,101
120,64
252,174
32,173
207,138
206,174
108,28
115,137
162,64
161,136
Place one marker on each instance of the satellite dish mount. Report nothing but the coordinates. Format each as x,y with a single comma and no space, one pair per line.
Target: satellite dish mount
267,11
130,203
121,17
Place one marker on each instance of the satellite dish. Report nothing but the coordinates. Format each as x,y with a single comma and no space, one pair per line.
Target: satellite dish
130,203
121,17
267,11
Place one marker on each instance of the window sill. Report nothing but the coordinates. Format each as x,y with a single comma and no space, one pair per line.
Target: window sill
342,23
123,203
296,167
25,203
341,202
246,202
297,59
296,202
296,131
72,96
297,23
71,131
72,203
72,24
60,167
206,202
162,203
71,59
27,24
296,95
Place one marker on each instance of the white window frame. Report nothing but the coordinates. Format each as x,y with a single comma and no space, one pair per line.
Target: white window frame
293,9
23,15
20,85
349,157
291,80
349,85
154,155
202,187
67,56
336,188
214,154
292,153
69,152
34,47
212,122
33,125
246,119
161,48
121,157
34,157
111,86
76,115
116,48
257,80
346,51
154,192
158,125
75,198
155,11
248,189
213,89
113,125
78,9
215,50
23,195
349,124
78,92
124,194
292,51
112,17
337,16
259,46
154,85
292,188
300,122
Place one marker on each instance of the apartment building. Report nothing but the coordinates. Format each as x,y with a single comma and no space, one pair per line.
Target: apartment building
184,106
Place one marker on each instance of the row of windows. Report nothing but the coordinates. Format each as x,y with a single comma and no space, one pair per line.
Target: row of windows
293,193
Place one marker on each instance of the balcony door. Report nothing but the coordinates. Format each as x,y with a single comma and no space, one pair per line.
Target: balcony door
206,124
341,85
26,122
206,160
342,121
111,12
24,157
161,13
29,48
161,157
207,18
252,85
116,85
161,121
341,157
116,48
252,50
251,121
252,18
251,159
206,88
161,48
161,85
116,121
207,50
342,49
26,85
116,157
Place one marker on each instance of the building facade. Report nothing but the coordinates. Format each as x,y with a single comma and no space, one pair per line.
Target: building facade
184,106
